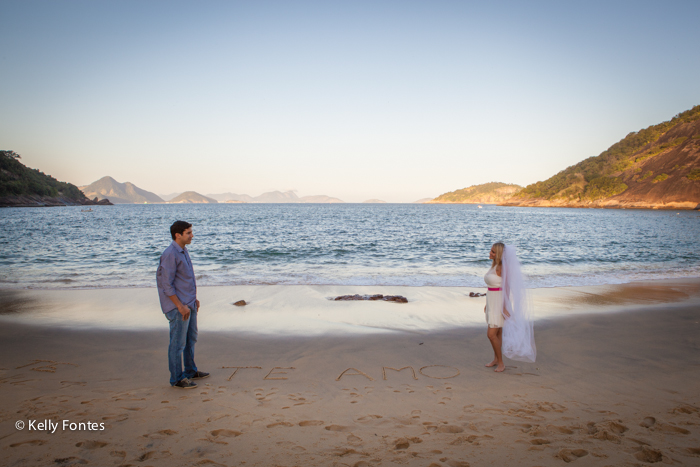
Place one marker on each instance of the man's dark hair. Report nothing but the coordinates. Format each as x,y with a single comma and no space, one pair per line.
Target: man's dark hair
179,227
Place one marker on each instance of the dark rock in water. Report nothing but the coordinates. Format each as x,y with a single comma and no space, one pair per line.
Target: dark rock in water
386,298
476,294
396,298
240,303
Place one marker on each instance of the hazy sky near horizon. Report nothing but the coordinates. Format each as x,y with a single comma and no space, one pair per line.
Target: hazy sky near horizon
395,100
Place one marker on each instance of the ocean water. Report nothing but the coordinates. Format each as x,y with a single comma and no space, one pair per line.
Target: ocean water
344,244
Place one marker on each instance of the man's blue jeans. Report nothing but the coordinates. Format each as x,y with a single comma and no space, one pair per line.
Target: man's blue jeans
183,336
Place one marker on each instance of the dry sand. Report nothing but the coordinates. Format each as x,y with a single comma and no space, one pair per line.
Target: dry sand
617,382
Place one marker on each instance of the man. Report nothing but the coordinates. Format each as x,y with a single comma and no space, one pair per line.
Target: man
177,291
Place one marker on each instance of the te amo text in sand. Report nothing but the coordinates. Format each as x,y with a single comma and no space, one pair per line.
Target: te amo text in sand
428,371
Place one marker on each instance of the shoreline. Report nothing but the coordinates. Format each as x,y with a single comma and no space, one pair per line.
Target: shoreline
310,310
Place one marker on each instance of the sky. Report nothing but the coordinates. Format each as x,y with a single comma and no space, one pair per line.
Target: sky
364,99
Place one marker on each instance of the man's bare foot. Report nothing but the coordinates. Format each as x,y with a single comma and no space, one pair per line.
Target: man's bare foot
493,363
500,368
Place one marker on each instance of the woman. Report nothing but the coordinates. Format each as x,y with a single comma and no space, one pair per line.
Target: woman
507,309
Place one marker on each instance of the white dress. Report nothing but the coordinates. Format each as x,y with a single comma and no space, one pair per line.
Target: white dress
494,299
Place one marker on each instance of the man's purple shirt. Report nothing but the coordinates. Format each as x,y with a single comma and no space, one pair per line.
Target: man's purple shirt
175,276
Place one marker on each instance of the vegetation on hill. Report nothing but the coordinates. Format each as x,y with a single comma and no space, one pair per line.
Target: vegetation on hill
600,177
492,192
16,179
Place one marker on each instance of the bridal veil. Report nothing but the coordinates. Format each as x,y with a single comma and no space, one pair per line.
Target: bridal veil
518,332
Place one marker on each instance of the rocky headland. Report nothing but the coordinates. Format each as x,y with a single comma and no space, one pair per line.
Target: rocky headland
21,186
657,167
487,193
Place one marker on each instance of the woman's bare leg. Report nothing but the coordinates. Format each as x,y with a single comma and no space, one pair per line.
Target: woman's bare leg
495,336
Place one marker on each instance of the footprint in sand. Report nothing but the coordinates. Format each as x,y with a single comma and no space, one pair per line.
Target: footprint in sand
70,461
116,417
338,428
31,442
225,433
209,462
354,440
66,384
162,434
91,444
429,426
146,455
570,455
607,430
647,454
560,429
693,451
547,407
401,443
450,429
648,422
471,439
311,422
342,451
685,409
673,429
273,425
539,441
368,418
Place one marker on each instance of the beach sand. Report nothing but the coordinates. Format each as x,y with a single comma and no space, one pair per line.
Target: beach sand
616,382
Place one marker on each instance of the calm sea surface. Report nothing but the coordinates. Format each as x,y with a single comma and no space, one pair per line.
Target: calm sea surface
344,244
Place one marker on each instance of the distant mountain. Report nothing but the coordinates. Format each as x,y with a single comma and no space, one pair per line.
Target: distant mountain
374,201
170,196
319,199
277,197
191,197
231,197
119,193
21,186
657,167
491,193
422,201
291,197
269,197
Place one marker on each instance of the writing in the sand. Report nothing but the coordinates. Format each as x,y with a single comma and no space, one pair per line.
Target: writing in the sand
429,371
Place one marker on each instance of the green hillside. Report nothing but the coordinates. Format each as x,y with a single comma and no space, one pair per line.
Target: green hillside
16,179
493,192
602,176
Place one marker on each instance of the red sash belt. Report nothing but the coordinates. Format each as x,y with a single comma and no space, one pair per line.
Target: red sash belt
494,289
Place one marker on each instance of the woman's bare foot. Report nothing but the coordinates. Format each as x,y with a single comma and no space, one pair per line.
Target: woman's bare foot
493,363
500,368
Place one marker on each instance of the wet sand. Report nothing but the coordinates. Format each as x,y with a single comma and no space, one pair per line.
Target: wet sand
617,382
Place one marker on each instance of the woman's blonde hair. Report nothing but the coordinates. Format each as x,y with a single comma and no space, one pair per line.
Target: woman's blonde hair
498,249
